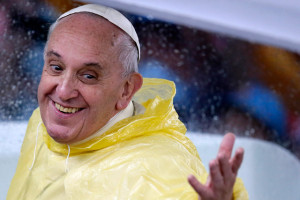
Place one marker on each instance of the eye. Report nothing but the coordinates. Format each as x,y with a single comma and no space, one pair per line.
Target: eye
56,68
89,76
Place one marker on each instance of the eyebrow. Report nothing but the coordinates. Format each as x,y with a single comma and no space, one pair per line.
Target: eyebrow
92,64
53,53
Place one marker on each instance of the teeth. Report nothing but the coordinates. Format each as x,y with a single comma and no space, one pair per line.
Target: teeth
66,110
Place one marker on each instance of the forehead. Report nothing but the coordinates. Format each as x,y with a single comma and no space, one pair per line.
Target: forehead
85,34
90,25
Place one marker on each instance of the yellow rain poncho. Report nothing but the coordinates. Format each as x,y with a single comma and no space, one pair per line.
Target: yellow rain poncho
146,156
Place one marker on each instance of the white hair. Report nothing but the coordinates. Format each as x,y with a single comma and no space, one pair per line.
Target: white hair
128,54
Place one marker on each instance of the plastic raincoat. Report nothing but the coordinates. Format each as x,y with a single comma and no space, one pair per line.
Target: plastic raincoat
146,156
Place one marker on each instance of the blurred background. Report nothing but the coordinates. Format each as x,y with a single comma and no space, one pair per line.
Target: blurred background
224,83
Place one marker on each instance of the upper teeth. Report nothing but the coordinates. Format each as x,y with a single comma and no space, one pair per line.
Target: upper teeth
66,110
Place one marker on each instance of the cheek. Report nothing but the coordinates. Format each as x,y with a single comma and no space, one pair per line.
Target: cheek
41,89
45,86
100,100
93,96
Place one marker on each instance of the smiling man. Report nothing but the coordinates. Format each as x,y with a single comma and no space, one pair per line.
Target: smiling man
82,85
98,135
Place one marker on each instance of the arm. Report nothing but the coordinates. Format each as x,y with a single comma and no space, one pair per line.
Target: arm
223,172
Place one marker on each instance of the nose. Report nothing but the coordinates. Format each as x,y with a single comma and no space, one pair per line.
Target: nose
67,88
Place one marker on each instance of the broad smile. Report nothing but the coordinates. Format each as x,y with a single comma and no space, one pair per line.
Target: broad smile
66,109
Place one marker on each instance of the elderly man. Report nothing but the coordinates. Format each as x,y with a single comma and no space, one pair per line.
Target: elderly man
99,134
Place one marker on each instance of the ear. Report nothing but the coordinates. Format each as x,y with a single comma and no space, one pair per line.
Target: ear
131,86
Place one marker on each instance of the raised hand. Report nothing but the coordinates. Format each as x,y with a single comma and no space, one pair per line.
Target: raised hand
223,172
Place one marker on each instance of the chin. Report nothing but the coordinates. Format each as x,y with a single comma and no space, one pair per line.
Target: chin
61,135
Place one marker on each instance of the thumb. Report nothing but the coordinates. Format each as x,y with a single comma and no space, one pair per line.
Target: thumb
198,187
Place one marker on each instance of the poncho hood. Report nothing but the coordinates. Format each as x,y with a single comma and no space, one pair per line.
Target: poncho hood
156,95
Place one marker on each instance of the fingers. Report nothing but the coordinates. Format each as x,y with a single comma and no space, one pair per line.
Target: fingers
225,167
198,187
217,179
227,145
237,160
229,166
223,172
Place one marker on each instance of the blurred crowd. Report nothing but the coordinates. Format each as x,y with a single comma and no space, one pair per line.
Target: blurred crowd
223,84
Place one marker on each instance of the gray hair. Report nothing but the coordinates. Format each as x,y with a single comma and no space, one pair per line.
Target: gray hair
128,54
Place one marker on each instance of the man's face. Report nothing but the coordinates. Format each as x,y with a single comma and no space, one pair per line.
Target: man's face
81,81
